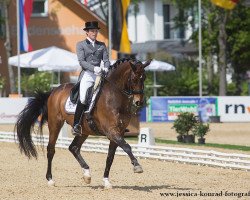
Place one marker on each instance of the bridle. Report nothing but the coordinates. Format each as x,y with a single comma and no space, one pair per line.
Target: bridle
130,91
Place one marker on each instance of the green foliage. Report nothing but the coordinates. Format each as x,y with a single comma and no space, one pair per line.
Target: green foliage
185,123
2,82
37,81
183,81
245,89
239,42
237,36
200,129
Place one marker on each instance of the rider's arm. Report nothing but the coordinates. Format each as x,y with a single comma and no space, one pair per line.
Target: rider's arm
82,58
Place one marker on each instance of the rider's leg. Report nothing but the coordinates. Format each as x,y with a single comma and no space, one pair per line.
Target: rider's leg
80,108
86,82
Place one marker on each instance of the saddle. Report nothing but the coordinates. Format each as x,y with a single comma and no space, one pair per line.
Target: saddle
75,94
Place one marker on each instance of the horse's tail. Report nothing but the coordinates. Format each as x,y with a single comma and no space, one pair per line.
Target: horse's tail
26,120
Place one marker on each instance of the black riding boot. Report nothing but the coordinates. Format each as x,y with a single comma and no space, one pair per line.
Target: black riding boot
80,108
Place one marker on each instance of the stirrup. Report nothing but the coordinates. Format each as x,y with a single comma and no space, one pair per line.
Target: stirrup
77,130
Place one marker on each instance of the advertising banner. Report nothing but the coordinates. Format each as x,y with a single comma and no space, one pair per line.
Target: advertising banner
166,109
234,109
10,108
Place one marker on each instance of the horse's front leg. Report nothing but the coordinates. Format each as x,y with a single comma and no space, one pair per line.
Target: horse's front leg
75,148
109,161
119,140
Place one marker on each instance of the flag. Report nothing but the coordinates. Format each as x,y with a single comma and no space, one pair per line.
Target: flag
25,11
85,2
120,39
227,4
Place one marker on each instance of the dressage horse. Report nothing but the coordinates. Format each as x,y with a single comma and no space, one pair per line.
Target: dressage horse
122,89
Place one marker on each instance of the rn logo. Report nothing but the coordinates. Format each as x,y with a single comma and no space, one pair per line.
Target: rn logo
236,109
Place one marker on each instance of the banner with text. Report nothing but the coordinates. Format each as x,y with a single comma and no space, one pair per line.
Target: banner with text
234,109
166,109
10,108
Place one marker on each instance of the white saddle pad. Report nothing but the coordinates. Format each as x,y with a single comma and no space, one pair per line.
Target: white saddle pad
70,108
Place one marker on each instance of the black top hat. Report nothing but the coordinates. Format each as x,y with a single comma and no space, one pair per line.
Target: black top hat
91,25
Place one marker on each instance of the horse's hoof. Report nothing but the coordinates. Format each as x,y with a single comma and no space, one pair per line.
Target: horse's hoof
51,183
87,179
86,176
138,169
107,185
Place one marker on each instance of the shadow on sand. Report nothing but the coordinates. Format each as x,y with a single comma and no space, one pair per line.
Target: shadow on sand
135,187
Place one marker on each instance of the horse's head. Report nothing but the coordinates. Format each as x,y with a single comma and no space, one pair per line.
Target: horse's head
136,82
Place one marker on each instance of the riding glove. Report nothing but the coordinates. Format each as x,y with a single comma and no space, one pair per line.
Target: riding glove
105,69
97,70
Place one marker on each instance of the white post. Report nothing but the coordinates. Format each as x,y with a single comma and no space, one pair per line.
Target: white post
155,88
146,137
63,132
110,28
18,47
200,50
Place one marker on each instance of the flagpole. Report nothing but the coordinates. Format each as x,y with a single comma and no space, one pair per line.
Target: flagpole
200,49
110,27
18,48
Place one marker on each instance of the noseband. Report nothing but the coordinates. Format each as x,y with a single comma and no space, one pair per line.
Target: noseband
128,92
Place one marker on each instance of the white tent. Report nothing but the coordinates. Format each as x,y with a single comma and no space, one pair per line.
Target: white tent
48,59
158,66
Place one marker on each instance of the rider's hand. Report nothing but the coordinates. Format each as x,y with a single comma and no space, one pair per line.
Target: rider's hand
105,69
97,70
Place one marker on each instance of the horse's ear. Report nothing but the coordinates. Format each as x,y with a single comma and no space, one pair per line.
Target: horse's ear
147,63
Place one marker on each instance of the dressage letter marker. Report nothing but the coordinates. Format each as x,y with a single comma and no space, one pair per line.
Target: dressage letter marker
146,137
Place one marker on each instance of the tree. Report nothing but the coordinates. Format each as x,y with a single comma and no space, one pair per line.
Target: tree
215,21
209,33
222,58
103,4
239,45
5,4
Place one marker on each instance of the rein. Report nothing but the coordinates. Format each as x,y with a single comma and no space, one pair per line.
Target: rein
128,93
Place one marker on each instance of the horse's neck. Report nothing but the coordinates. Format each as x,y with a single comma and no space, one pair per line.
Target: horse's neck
120,75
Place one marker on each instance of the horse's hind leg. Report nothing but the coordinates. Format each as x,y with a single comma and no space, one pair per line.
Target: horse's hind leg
75,148
127,148
54,129
112,148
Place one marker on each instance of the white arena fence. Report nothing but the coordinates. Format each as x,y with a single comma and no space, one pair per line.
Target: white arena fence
182,155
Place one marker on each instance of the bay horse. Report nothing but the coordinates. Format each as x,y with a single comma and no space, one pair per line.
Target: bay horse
122,89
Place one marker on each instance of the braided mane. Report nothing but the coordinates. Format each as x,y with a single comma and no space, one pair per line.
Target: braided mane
121,60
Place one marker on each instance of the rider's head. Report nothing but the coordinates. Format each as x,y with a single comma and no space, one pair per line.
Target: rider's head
92,29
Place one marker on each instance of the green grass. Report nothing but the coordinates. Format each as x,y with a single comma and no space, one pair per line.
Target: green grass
222,146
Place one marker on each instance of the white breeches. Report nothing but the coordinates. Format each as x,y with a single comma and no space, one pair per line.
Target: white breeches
87,81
